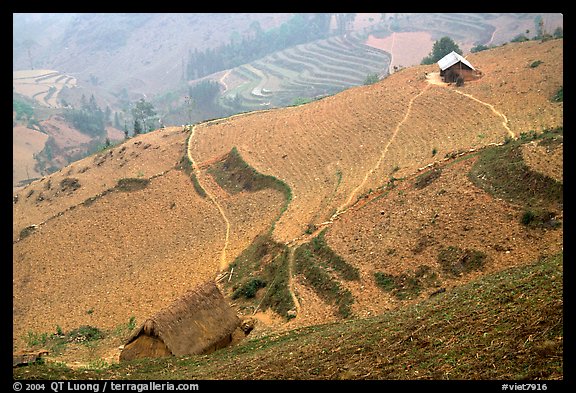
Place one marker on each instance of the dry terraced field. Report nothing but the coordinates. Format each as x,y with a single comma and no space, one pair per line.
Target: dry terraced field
41,85
325,150
100,255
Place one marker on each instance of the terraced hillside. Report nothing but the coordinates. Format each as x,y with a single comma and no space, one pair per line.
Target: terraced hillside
470,29
332,151
42,85
307,71
349,206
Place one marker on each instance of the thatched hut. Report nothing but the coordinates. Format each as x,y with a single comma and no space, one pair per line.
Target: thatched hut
199,322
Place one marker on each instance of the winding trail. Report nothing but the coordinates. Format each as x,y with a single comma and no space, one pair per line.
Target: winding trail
223,263
344,207
504,123
222,80
290,279
294,243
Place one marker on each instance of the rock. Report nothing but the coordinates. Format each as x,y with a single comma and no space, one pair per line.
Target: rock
24,358
247,325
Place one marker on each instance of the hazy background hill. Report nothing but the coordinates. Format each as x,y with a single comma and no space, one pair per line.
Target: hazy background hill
144,53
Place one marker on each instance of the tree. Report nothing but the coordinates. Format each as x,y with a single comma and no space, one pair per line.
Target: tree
370,79
137,127
190,107
440,49
108,115
559,32
479,48
144,115
125,130
29,44
116,120
89,119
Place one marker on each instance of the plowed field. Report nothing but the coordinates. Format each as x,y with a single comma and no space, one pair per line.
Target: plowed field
325,149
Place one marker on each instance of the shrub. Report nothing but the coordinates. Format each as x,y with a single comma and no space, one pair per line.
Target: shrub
132,184
85,334
457,261
535,64
527,217
559,96
371,79
249,289
384,281
426,178
539,219
479,48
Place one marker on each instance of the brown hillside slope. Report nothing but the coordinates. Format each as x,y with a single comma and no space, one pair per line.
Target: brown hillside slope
142,156
99,257
131,253
408,227
333,150
25,143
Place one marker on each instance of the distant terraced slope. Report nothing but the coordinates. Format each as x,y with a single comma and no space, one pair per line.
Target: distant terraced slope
42,85
307,71
332,151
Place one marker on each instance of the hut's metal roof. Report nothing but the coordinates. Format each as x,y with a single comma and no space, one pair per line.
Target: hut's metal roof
452,58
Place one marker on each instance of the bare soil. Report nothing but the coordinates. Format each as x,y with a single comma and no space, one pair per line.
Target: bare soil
99,257
25,143
407,48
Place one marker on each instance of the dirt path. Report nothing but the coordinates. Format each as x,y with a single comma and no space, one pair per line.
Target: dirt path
222,80
290,281
504,123
492,36
434,78
223,263
346,204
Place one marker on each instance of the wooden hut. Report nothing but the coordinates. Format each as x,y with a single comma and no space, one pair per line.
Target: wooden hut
199,322
453,66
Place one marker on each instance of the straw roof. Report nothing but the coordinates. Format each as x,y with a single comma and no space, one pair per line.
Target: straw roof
193,323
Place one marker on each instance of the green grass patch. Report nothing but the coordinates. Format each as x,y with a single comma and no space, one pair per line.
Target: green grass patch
408,285
502,172
234,175
331,259
456,261
319,266
30,229
56,342
130,184
197,187
540,219
186,166
263,264
559,95
427,178
248,289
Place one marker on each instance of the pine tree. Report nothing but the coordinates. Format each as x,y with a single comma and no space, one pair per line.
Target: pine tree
137,127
